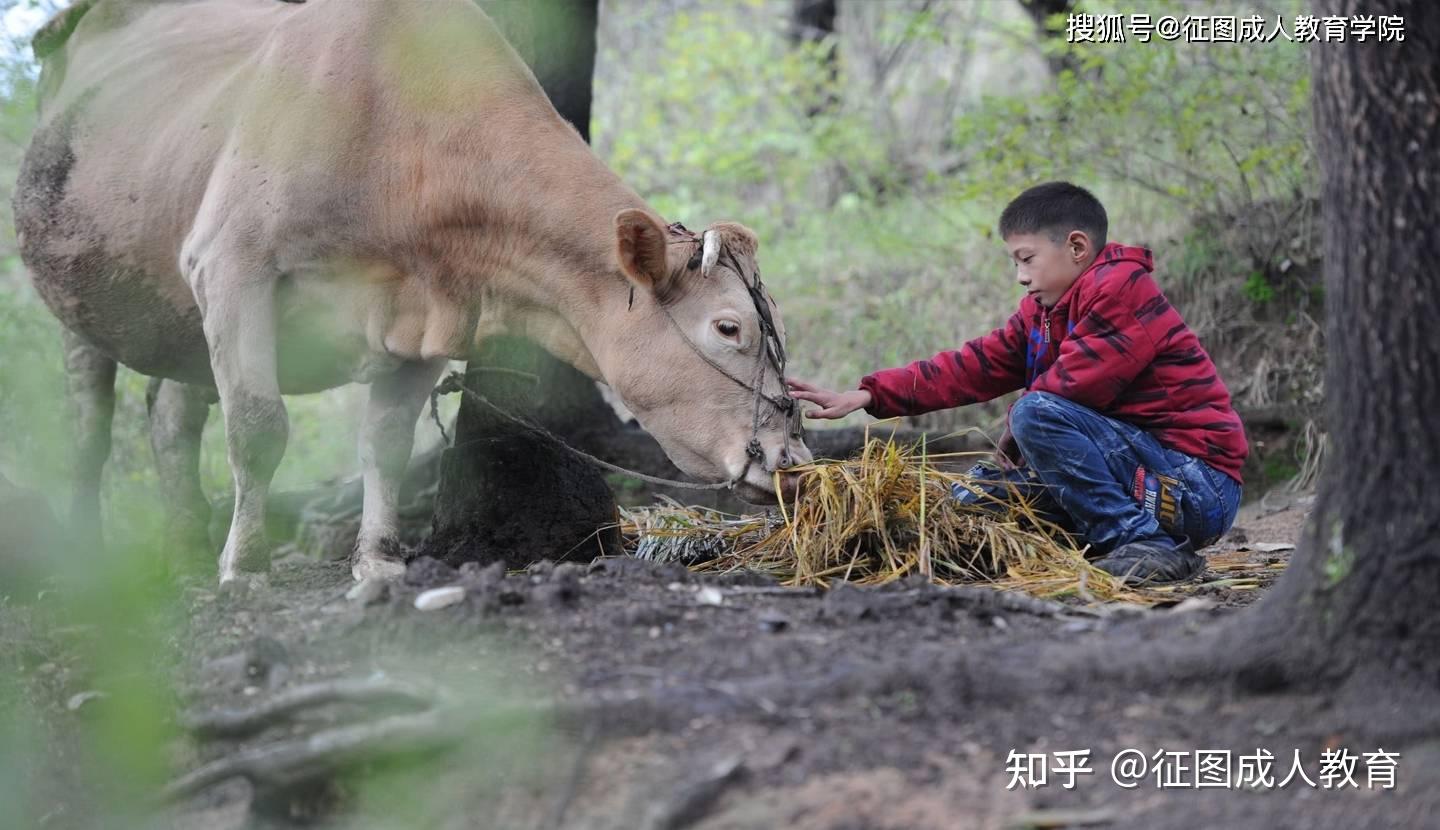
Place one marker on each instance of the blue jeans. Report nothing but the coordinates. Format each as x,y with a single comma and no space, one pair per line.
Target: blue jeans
1111,482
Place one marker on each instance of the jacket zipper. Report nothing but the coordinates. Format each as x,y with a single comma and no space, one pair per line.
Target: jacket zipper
1045,338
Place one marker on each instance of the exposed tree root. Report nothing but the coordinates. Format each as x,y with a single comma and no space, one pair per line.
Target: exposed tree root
691,801
288,763
285,763
238,722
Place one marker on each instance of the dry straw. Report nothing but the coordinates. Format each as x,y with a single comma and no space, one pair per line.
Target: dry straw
882,516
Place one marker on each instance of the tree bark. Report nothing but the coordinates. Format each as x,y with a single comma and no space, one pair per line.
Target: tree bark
1362,589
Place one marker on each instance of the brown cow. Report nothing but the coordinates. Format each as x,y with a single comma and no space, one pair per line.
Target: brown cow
261,198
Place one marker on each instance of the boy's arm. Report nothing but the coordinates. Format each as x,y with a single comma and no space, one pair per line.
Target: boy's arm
983,368
1110,345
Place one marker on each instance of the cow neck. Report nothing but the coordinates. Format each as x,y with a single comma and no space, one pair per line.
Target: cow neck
547,266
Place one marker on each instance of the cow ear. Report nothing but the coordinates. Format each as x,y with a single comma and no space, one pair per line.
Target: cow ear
640,245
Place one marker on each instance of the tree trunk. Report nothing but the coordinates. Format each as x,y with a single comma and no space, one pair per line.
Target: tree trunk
1040,12
813,22
509,494
1362,590
504,492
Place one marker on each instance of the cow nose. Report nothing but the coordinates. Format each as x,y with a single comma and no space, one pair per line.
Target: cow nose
789,457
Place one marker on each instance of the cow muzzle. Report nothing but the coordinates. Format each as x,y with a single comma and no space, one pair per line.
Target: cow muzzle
759,484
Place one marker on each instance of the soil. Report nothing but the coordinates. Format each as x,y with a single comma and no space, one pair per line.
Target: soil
625,694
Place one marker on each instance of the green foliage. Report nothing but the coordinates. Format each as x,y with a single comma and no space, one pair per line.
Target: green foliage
627,489
86,683
1205,128
732,111
1257,289
1279,468
31,394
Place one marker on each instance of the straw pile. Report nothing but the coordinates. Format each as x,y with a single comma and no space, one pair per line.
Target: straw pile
880,517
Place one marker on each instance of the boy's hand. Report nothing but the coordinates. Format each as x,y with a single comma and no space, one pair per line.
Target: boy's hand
832,404
1007,454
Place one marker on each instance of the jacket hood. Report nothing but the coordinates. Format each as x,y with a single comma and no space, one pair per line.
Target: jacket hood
1112,254
1115,252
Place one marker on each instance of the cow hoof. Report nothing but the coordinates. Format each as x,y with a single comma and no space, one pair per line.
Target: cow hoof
377,567
240,587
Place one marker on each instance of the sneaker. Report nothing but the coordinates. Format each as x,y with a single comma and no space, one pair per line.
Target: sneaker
1152,562
999,487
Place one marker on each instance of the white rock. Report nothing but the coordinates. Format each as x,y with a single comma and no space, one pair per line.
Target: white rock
439,597
78,700
1272,547
1193,604
709,595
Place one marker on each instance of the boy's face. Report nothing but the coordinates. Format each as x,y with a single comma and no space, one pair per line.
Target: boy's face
1047,268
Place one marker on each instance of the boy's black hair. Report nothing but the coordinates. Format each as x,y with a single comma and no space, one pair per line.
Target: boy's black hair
1055,209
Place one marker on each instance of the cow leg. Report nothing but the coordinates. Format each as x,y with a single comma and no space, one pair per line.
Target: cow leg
386,439
236,295
177,418
90,387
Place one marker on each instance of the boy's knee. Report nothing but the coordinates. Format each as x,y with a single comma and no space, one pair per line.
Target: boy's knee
1032,410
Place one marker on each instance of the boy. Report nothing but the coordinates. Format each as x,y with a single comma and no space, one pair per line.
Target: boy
1124,422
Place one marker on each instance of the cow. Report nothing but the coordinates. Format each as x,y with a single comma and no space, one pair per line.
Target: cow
248,198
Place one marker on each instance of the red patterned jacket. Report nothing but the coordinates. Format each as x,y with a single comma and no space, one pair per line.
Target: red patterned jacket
1112,343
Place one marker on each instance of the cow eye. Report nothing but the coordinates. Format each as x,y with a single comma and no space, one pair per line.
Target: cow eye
728,328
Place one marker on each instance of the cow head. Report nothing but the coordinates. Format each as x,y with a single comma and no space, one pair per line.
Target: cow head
699,351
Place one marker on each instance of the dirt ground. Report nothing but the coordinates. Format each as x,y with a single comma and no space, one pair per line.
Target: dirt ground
623,694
